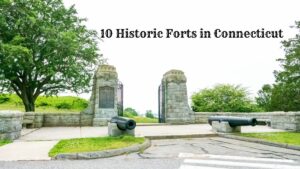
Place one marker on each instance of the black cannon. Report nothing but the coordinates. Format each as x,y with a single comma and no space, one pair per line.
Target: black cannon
123,123
233,121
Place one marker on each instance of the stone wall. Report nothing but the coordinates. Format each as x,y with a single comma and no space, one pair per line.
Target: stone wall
278,120
33,120
59,119
10,124
286,121
202,117
37,120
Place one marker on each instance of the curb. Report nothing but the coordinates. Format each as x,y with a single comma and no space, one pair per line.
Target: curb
103,154
152,124
254,140
181,136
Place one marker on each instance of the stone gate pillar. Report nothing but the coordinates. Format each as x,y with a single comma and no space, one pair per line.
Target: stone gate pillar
173,100
104,95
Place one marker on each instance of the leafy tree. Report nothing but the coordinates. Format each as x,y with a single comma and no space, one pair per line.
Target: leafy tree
285,97
44,49
280,97
149,114
287,87
285,93
223,98
264,97
130,112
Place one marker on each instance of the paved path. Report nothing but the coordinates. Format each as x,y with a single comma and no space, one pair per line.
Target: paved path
36,143
57,133
199,153
20,150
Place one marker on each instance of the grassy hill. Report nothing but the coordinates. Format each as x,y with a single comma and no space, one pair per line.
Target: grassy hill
57,104
45,104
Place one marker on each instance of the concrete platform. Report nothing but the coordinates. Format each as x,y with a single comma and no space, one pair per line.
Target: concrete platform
34,144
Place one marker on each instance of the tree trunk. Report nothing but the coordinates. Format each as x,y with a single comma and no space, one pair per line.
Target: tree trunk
28,101
29,107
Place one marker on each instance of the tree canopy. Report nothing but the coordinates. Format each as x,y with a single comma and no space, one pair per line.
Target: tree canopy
264,97
130,112
149,114
284,95
223,98
44,48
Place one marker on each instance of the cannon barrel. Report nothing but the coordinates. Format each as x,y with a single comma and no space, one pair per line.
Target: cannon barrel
234,121
123,123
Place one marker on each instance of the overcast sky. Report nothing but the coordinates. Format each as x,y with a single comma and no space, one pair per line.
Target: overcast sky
141,63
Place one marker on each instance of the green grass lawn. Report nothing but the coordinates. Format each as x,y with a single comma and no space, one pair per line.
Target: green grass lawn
93,144
60,104
139,119
3,142
292,138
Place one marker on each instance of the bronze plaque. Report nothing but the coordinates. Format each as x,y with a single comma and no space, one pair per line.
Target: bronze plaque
106,97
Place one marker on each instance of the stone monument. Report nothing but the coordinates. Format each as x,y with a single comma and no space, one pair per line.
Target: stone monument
104,99
173,100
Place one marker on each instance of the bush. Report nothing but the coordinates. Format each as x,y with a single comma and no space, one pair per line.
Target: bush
4,98
264,97
279,97
80,103
42,104
149,114
130,112
62,102
223,98
45,103
63,105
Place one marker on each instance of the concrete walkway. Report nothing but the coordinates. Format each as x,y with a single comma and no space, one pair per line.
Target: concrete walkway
34,144
24,150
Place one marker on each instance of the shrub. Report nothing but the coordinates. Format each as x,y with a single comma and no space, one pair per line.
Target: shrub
149,114
63,105
42,104
45,103
131,111
80,103
223,98
279,97
4,98
264,97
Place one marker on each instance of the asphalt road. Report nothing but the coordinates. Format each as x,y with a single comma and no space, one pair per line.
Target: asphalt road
202,153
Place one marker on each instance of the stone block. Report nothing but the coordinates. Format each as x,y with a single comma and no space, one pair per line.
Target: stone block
10,136
224,127
100,122
285,120
37,125
114,131
86,119
10,124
